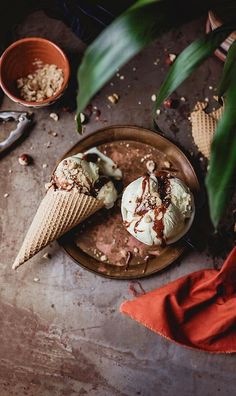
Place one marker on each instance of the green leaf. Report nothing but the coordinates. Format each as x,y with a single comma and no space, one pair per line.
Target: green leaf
190,59
127,35
221,176
228,66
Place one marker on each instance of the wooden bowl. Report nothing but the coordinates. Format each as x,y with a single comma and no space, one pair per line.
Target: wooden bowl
127,146
18,60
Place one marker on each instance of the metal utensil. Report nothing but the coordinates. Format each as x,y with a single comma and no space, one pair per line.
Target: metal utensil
23,119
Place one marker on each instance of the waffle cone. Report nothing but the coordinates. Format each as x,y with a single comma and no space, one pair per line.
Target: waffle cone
58,212
204,126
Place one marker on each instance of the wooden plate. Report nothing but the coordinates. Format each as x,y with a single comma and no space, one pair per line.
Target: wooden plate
103,236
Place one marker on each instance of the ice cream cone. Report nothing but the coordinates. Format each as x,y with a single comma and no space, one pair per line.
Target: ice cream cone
204,126
58,212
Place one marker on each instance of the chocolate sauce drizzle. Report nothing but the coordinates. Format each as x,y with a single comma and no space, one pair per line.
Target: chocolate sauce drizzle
141,210
91,157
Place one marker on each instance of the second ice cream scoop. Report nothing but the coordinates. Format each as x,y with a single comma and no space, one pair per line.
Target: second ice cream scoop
157,209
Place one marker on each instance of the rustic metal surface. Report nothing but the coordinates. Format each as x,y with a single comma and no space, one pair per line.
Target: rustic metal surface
61,331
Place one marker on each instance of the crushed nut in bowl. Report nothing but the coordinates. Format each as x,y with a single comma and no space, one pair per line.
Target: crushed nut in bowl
34,72
44,83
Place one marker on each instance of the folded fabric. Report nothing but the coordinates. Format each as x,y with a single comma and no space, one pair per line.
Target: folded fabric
197,310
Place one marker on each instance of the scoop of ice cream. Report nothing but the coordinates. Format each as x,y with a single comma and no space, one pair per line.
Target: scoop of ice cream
156,209
89,173
74,172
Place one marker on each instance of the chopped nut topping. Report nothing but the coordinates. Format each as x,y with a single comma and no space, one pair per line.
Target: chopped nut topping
44,83
54,116
47,185
148,219
150,166
103,257
114,98
36,279
166,164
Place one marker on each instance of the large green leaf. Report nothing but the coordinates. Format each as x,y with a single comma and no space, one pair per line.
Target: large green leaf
227,72
190,59
127,35
221,176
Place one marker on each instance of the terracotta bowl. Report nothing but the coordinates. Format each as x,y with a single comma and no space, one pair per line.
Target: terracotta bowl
18,60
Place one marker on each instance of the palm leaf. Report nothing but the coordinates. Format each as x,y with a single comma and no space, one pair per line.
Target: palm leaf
190,59
221,176
126,36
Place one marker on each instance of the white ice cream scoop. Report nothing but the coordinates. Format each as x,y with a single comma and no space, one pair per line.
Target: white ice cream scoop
74,172
157,210
89,173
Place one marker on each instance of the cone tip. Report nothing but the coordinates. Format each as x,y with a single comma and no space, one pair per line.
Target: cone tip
16,264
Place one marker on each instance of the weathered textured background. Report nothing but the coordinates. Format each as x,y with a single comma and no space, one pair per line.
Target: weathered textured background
64,335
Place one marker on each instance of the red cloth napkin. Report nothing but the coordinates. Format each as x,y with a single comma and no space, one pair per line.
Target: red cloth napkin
197,310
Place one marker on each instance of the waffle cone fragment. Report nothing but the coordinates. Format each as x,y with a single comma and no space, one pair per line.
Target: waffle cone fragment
203,126
58,212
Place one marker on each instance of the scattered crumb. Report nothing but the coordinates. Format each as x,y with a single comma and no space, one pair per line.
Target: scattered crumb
210,87
123,253
136,250
166,164
134,69
158,111
6,195
153,97
114,98
10,171
103,257
45,166
47,256
47,185
156,61
111,84
54,116
183,99
83,118
54,134
48,144
36,279
122,77
139,102
206,99
170,59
